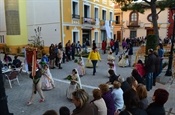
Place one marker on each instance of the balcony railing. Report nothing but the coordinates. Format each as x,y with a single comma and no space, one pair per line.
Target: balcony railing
133,24
75,16
111,23
89,21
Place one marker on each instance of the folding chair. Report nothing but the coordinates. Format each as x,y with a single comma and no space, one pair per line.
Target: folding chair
12,77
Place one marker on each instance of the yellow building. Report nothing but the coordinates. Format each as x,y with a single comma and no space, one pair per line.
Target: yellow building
85,20
74,20
13,30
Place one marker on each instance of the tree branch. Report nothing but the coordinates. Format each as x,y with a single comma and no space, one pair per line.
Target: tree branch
159,12
147,1
145,6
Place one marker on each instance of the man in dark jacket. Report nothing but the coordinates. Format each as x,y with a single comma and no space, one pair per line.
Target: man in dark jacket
150,66
116,47
130,53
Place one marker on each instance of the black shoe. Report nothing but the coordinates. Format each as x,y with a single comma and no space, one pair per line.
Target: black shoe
93,73
60,68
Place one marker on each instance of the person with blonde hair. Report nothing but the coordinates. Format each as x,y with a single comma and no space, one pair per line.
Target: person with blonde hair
80,99
117,93
108,98
99,102
142,93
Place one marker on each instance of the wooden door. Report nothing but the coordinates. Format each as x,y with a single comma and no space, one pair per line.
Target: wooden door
119,35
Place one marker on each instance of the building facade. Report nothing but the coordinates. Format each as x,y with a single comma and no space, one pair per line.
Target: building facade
118,23
43,19
13,29
55,21
140,25
86,20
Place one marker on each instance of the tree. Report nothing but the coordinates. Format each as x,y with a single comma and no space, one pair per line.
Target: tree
152,4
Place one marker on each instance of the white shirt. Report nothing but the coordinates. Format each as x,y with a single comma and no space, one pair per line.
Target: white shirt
101,105
118,98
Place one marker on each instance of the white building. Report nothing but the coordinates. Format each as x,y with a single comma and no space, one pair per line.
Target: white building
44,14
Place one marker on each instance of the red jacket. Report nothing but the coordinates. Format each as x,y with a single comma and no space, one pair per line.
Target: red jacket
104,45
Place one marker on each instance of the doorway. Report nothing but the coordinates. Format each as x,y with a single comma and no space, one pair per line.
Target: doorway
86,35
150,32
75,37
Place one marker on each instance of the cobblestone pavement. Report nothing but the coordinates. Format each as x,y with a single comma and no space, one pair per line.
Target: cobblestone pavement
19,95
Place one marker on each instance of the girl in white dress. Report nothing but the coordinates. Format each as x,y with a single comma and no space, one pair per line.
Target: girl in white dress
75,83
111,62
46,79
81,67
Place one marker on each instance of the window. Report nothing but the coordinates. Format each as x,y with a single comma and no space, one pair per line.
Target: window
96,37
133,34
103,14
12,17
86,11
110,16
117,19
2,39
103,35
134,17
75,7
96,13
75,37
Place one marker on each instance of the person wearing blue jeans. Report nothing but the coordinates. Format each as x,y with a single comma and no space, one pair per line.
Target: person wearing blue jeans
94,56
94,63
150,66
149,81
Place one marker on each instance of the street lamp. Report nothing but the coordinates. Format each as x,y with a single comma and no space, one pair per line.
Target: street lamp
169,70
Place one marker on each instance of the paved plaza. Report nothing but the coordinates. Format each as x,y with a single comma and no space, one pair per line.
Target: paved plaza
19,95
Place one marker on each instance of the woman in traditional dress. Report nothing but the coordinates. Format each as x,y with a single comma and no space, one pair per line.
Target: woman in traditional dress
47,82
81,67
123,61
75,83
111,62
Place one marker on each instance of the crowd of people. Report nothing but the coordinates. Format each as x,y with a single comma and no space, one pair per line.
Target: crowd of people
115,97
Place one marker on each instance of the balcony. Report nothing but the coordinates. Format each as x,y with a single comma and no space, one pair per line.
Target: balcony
75,16
102,22
133,24
89,21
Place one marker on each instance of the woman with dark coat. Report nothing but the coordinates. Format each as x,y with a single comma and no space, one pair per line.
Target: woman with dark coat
132,104
52,56
136,75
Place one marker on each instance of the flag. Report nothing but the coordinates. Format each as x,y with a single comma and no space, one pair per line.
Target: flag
34,63
108,30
